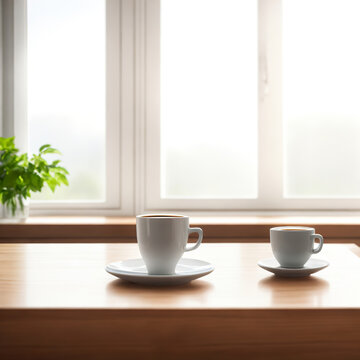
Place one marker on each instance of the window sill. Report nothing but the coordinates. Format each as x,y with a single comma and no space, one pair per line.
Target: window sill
94,229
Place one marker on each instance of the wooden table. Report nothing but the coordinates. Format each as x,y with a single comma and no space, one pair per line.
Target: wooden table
57,302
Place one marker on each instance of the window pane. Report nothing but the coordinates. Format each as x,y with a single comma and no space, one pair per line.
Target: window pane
208,99
321,94
66,90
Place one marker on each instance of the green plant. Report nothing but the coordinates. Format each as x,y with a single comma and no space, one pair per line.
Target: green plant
20,176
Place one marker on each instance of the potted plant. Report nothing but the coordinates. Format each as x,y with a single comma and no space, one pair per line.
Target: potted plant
20,176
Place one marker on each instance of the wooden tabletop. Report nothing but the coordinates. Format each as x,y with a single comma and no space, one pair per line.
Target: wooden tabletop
72,276
57,301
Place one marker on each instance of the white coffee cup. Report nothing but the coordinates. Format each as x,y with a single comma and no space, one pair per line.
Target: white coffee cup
292,246
163,240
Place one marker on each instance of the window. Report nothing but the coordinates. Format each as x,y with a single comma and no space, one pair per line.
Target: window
73,61
321,110
248,108
208,99
192,105
66,91
202,143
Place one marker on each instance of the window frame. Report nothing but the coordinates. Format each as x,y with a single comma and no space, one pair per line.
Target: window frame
270,153
133,122
119,110
268,34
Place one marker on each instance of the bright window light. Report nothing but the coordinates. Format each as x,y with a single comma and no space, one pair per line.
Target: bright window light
321,107
66,90
209,99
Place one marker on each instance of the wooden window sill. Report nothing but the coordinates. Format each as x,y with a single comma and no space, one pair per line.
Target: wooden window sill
216,229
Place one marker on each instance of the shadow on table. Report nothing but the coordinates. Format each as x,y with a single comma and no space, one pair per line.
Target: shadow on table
120,285
309,291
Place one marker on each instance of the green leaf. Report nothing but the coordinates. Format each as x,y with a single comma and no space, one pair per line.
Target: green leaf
51,151
31,167
8,144
44,147
52,183
23,157
36,182
42,167
11,178
60,169
62,178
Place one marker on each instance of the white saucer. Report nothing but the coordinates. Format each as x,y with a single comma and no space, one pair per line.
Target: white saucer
134,270
312,266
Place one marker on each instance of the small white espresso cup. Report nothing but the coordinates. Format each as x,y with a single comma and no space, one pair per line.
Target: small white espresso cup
163,240
293,245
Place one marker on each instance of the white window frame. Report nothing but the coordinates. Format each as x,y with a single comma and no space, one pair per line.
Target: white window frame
119,199
133,117
270,153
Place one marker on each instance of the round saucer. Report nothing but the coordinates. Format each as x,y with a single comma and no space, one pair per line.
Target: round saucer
134,270
311,267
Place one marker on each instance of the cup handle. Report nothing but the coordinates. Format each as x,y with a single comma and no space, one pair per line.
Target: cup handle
199,240
318,249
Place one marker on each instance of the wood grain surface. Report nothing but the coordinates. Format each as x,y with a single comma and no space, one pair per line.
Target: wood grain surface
56,302
73,276
178,334
98,229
